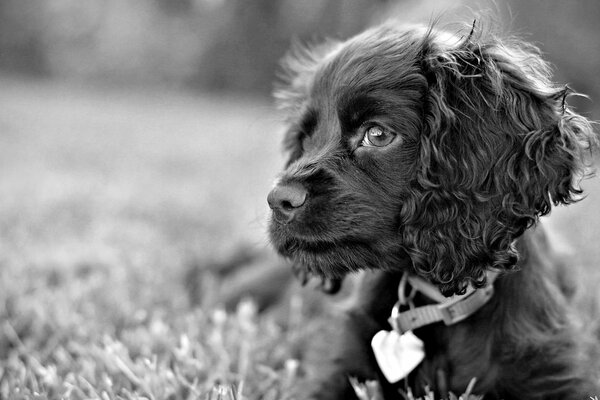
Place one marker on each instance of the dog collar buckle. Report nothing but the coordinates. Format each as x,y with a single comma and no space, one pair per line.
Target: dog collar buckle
449,314
449,311
462,307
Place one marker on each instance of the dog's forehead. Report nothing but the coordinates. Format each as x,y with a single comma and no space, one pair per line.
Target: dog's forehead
380,61
378,58
380,65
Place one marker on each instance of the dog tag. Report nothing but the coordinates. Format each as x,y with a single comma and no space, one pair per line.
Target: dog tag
397,355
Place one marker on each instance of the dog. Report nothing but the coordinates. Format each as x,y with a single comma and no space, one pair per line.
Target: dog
425,159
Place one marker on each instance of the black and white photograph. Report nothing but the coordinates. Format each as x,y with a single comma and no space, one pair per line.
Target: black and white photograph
299,200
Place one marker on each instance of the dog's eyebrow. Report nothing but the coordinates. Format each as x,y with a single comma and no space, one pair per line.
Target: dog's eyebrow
355,109
352,110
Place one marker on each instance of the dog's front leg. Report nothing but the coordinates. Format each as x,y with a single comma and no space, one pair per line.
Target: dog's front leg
338,349
339,345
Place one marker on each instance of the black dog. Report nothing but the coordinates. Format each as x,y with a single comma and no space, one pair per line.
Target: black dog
430,156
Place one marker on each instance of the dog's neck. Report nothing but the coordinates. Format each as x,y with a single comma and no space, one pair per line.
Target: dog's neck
527,312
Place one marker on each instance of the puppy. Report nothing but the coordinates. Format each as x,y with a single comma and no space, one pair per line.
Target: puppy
426,158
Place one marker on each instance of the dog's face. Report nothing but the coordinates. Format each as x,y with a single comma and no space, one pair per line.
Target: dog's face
416,149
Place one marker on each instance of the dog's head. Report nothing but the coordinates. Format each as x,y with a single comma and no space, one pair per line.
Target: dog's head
422,149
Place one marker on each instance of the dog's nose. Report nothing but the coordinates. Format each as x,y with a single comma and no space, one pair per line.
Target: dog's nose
286,200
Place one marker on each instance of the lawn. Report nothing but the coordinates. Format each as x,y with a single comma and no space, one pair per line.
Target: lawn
108,199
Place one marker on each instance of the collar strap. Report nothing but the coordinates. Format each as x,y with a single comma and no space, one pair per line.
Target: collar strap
449,310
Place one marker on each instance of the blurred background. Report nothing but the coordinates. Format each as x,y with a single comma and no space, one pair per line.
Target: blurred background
138,142
233,45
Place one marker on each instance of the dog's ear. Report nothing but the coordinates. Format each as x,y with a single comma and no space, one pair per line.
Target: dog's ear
499,147
555,157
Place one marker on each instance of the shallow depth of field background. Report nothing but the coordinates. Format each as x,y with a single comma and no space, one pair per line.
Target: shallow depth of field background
137,145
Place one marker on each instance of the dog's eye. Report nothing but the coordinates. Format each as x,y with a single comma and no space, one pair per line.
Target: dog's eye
377,136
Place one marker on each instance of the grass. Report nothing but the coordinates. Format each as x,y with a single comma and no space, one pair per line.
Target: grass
107,198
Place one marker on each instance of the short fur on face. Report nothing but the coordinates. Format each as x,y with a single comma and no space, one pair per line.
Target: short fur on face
484,144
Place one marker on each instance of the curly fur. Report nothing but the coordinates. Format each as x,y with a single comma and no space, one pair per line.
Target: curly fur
485,177
485,143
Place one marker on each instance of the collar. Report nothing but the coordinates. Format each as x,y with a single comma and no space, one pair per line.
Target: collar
449,310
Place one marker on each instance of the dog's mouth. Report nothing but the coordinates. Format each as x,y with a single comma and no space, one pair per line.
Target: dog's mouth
297,247
336,257
294,246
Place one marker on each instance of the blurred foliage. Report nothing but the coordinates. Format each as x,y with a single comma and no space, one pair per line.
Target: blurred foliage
209,44
236,44
569,34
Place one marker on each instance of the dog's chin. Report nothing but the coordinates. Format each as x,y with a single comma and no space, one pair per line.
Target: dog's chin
322,259
334,259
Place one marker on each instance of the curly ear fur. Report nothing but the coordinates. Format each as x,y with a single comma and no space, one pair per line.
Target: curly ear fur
499,147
